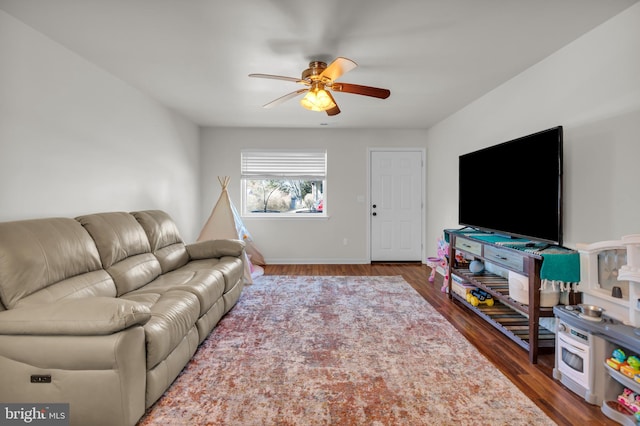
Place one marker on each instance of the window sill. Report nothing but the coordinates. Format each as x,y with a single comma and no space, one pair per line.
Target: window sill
286,216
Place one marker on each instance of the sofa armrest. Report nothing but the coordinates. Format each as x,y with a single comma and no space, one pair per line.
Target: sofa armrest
90,316
215,249
103,378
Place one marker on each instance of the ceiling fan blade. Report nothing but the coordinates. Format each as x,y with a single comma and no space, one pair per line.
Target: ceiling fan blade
284,98
356,89
278,77
337,68
335,110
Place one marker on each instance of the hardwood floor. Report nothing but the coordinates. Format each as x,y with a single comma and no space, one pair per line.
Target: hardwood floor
534,380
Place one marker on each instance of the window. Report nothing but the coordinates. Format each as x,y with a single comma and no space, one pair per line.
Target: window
283,183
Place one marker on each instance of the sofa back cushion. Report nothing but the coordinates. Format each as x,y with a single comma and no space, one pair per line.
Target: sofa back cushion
124,249
49,259
164,238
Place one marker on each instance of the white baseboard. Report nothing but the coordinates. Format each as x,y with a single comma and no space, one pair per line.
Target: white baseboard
316,261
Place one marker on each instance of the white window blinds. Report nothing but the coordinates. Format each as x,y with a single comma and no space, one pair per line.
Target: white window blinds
309,165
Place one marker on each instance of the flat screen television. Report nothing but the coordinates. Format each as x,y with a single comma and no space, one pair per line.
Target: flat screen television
514,188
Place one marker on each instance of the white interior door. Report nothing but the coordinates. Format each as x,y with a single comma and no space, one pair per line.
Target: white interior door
396,205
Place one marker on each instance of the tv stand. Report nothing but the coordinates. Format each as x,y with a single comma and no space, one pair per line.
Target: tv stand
517,321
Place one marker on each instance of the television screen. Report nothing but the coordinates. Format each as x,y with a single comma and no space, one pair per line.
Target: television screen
514,188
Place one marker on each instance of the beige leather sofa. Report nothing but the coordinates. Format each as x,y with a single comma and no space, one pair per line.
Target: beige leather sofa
103,311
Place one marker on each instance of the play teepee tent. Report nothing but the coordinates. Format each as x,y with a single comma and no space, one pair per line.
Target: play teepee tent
225,222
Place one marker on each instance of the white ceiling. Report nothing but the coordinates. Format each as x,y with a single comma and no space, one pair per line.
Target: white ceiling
194,56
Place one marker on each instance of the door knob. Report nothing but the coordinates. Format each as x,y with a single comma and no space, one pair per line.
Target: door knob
374,206
375,214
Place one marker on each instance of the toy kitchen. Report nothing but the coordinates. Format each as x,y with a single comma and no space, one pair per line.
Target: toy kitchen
598,341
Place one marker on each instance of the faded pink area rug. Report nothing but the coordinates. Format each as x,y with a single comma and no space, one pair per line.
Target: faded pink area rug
300,350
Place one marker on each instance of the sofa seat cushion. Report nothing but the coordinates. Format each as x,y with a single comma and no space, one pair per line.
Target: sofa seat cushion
232,269
206,285
173,315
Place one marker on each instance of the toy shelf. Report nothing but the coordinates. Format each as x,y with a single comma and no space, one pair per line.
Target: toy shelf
506,315
517,321
498,287
622,379
611,408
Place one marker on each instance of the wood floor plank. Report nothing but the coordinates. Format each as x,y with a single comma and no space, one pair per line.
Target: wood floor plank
534,380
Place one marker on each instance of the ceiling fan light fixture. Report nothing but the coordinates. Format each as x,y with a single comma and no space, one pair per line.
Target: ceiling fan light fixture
321,81
317,98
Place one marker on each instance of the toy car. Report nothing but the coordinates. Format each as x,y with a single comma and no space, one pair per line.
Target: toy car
477,296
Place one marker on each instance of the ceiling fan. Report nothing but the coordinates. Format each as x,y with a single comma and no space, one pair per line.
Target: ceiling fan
321,80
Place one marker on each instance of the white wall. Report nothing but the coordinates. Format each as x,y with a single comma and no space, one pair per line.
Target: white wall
305,240
592,88
75,140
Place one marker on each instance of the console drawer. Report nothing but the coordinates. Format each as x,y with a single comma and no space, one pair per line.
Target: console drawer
469,246
504,257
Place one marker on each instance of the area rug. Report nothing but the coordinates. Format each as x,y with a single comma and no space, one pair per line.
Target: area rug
302,350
